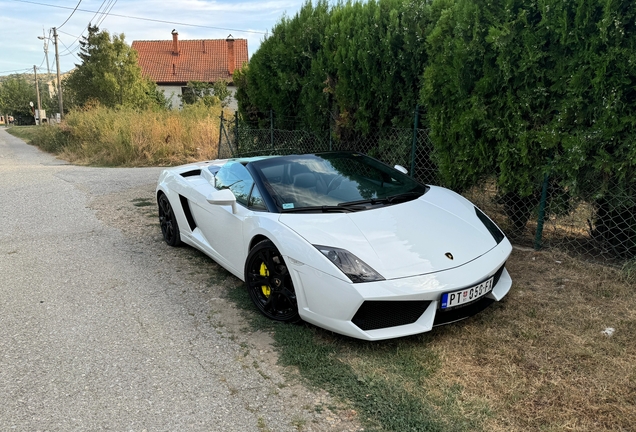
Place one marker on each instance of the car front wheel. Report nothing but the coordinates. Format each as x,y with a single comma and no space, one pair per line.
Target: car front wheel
269,283
168,222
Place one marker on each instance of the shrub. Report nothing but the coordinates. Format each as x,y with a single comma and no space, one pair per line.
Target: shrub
98,135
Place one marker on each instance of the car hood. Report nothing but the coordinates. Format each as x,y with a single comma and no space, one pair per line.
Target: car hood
402,240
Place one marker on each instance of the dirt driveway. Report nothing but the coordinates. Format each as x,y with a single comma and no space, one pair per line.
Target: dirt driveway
105,327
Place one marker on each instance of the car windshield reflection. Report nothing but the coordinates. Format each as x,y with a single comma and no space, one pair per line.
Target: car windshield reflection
325,181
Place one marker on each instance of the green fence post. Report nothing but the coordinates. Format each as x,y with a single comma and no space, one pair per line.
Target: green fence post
220,136
236,125
417,111
544,196
271,127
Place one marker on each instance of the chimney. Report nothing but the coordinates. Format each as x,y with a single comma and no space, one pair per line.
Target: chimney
175,42
230,54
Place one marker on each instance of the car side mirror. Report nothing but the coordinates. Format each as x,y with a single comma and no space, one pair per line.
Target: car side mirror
401,169
224,197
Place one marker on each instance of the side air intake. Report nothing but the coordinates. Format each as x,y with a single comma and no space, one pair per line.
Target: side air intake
185,204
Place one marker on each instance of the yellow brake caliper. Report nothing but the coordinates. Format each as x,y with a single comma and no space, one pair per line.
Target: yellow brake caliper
264,272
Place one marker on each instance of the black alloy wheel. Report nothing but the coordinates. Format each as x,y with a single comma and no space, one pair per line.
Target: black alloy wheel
269,283
168,222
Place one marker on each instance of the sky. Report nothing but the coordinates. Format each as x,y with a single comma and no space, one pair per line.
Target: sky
22,21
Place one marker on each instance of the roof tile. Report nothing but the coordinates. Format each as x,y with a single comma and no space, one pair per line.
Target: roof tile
203,60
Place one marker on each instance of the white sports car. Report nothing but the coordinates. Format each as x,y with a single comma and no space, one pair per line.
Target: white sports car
339,240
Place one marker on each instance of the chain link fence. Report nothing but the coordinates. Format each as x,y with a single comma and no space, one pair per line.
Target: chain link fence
601,228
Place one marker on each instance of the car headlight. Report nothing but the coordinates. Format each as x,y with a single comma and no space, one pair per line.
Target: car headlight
496,233
352,266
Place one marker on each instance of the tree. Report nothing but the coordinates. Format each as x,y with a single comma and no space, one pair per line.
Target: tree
517,89
371,63
279,72
491,90
355,65
210,93
15,95
598,156
109,73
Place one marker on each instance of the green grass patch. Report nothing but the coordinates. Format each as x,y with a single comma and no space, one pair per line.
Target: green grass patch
629,271
391,384
25,133
143,202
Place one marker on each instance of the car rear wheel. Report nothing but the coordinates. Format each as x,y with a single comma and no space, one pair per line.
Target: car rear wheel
269,283
168,222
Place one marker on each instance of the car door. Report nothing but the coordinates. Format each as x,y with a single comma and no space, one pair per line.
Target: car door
220,225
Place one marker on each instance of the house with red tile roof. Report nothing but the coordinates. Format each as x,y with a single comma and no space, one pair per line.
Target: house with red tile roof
172,64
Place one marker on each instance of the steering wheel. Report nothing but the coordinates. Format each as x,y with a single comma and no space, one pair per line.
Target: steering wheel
334,183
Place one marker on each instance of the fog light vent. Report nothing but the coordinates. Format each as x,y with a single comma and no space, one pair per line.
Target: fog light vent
373,315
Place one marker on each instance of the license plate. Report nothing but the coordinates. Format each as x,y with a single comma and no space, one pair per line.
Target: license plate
467,295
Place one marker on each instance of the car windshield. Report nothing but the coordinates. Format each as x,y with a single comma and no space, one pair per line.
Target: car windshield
338,181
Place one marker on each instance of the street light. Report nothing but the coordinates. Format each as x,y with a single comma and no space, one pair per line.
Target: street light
57,62
46,51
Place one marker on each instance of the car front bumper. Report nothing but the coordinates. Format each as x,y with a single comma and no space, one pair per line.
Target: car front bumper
398,307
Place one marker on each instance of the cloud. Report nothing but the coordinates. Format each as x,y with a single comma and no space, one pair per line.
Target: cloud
21,23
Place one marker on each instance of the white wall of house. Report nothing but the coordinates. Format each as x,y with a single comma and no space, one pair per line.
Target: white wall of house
172,93
233,103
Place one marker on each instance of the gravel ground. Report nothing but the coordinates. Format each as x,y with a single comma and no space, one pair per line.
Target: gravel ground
103,326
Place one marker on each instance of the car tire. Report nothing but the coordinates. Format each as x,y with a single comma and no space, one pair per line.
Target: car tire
269,283
168,222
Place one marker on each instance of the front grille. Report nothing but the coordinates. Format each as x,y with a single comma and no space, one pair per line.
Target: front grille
446,316
462,312
373,315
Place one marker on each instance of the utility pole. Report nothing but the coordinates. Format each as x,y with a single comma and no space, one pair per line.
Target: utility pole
59,81
37,90
46,52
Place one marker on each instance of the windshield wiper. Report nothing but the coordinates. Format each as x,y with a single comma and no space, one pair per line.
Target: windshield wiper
393,199
325,209
403,197
361,202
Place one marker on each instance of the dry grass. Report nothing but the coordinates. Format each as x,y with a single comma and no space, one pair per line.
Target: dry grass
127,137
540,359
537,361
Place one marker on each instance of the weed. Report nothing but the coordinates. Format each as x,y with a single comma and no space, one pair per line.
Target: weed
127,137
261,425
143,202
298,422
380,379
629,271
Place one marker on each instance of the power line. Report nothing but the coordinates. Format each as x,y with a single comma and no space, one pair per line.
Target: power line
97,13
68,34
145,19
100,20
15,70
67,49
43,60
72,43
69,17
106,12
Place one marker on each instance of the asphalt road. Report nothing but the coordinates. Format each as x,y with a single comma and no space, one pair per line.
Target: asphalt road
104,327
